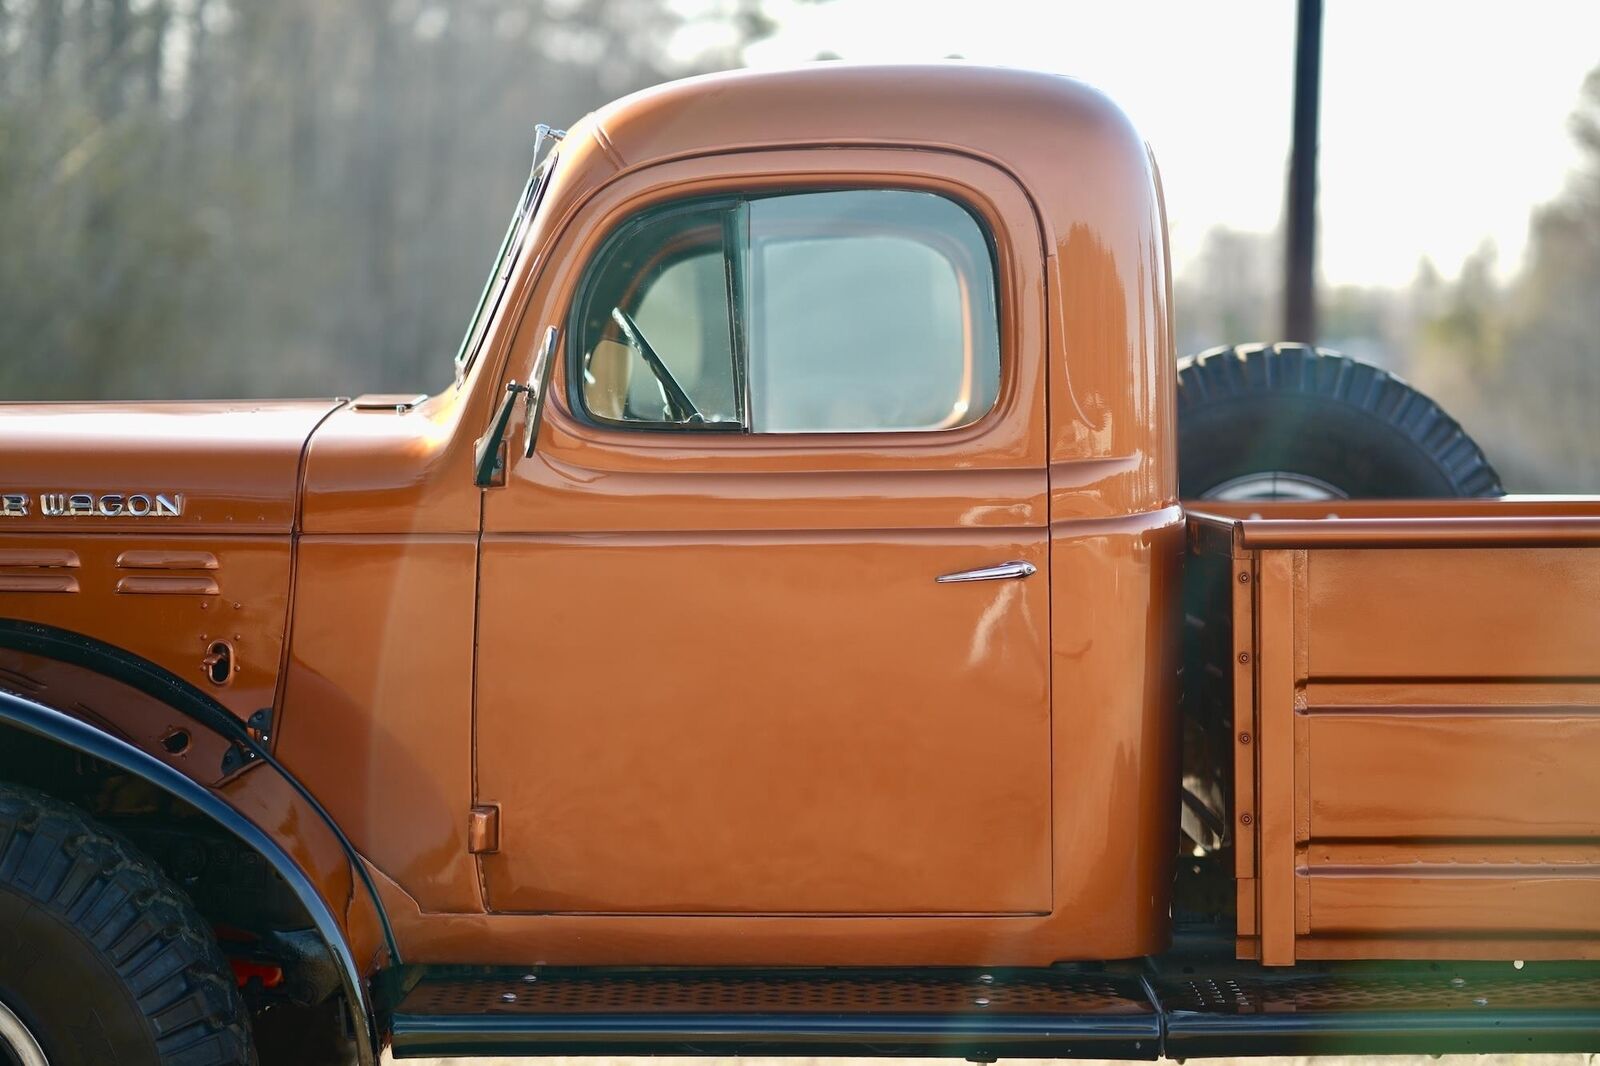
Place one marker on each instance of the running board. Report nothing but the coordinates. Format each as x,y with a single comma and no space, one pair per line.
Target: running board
1376,1010
989,1014
972,1013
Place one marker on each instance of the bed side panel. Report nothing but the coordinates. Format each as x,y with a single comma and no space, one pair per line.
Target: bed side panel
1429,724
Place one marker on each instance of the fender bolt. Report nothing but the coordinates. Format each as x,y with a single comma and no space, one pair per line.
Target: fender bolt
1244,579
1244,657
1245,819
1244,738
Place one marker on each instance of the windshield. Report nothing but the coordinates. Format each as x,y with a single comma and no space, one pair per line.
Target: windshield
510,247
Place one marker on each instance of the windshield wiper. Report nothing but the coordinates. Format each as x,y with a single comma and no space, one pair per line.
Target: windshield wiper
678,401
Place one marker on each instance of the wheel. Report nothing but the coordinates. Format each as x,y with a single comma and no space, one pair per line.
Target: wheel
102,959
1288,421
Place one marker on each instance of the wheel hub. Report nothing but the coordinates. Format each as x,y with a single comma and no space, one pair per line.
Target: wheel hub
17,1045
1274,485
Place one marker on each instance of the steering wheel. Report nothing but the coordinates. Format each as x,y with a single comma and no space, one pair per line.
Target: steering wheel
679,404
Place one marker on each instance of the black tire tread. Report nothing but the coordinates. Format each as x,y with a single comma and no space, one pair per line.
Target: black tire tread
139,921
1244,369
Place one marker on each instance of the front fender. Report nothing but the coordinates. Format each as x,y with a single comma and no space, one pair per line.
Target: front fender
59,728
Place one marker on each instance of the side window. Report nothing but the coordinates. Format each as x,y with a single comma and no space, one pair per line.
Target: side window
869,310
655,324
842,311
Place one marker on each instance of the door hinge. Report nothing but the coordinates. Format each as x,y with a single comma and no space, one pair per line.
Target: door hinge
483,829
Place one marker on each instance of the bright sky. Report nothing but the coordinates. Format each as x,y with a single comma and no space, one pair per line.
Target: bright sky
1443,122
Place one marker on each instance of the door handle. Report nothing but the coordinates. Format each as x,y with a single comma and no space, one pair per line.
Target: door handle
998,572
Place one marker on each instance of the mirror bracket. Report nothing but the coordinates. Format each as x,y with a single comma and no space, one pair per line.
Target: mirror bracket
490,453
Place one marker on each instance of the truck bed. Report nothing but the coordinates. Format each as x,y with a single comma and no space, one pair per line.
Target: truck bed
1415,701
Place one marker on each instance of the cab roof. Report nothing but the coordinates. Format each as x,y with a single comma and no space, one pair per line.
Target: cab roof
1035,124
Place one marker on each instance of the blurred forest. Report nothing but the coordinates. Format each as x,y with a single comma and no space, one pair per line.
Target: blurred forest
295,197
1517,360
300,197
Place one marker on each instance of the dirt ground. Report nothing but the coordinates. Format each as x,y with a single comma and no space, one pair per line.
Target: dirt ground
1341,1060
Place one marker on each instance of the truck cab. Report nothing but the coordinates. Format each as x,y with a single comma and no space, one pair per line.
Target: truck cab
734,606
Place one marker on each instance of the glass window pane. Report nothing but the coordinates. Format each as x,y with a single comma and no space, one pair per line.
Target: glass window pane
660,289
684,314
857,310
869,310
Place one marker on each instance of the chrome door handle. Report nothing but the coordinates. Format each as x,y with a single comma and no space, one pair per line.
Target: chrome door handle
998,572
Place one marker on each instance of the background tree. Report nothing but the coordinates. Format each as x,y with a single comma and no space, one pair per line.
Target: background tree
1517,361
1521,364
229,197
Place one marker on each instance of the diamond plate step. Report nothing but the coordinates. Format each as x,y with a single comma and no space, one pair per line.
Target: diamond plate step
971,1013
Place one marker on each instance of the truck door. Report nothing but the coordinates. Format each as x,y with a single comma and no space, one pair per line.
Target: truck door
763,620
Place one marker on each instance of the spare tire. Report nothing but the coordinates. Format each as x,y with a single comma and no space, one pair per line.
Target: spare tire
1288,421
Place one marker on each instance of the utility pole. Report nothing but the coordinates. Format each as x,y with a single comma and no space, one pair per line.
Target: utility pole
1300,209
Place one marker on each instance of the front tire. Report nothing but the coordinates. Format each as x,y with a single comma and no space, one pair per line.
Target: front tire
102,959
1288,421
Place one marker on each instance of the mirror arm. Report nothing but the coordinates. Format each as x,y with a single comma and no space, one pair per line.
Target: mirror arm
489,464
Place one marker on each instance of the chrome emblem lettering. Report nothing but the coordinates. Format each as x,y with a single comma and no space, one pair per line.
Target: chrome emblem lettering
104,505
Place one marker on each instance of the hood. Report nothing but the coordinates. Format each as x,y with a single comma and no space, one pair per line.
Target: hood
188,467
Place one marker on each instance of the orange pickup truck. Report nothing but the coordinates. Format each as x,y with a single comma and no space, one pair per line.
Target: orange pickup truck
786,636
